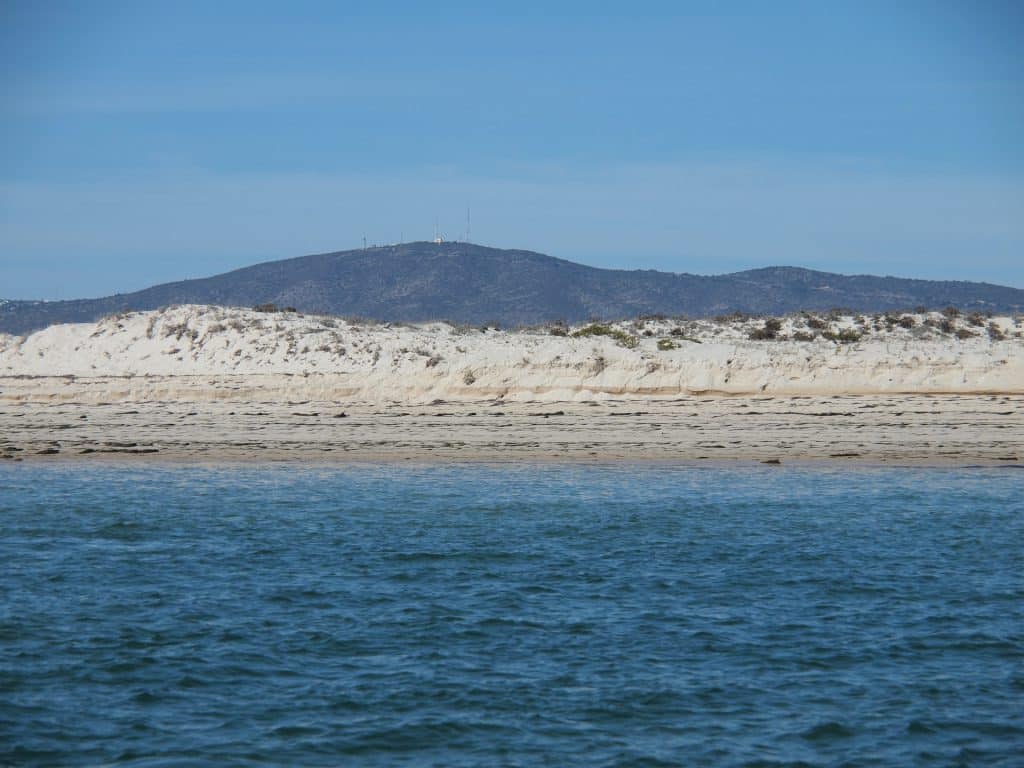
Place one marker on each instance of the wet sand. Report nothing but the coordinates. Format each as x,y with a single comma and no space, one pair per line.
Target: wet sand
872,429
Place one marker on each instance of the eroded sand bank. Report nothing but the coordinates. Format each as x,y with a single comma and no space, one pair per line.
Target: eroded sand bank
210,384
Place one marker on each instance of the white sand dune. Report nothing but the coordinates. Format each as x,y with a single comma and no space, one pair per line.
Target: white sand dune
211,384
212,353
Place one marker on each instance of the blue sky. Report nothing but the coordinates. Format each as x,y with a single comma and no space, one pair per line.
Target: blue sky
144,142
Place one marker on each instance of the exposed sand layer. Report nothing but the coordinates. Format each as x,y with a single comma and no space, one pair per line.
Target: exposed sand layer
214,384
206,353
907,429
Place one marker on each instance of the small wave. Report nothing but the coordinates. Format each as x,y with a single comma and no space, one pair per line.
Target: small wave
918,728
827,732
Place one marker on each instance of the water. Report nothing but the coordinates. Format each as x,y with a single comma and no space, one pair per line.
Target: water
469,615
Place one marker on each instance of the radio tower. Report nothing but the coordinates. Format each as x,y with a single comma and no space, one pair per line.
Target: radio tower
467,223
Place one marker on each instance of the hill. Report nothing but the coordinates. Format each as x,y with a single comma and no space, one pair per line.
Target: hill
468,283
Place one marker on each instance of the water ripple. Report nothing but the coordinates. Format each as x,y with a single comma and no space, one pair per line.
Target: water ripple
463,616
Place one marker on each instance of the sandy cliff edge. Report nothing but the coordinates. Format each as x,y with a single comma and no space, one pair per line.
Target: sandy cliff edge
212,353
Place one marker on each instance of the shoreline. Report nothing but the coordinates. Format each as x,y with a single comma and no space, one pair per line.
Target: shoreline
848,430
201,384
405,462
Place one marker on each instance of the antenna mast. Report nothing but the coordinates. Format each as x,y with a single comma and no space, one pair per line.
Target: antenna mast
467,223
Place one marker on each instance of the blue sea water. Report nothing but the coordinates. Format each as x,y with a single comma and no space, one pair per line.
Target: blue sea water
527,615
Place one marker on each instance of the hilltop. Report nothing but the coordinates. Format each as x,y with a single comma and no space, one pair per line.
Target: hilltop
462,282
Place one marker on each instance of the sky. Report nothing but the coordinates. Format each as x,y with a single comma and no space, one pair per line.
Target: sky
142,142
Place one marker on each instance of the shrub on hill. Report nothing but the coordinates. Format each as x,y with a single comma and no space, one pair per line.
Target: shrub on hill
680,333
769,331
596,329
816,323
845,336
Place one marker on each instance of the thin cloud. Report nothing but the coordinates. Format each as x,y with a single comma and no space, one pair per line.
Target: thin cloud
701,218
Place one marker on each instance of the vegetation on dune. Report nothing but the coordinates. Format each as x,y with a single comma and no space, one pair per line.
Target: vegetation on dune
178,330
816,323
768,332
845,336
595,329
268,308
680,333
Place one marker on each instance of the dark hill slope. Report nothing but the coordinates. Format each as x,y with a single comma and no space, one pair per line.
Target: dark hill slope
471,283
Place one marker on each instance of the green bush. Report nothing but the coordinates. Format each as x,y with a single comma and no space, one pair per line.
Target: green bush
769,331
846,336
816,323
666,344
596,329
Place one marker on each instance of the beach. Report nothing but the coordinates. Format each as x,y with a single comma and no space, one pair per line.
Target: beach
906,429
211,384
